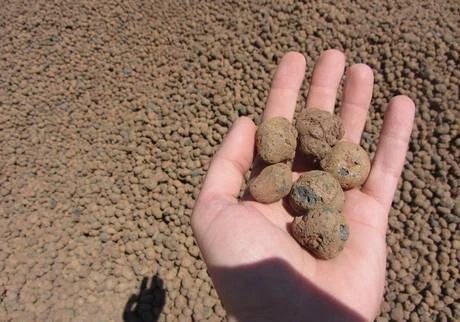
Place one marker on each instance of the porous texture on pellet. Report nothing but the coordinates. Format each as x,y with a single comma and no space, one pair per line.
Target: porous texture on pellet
276,140
323,232
318,131
315,189
273,183
348,163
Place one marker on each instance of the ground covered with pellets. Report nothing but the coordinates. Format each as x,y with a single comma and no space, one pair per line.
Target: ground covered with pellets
110,112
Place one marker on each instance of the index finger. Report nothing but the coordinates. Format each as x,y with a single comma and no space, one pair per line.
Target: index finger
285,87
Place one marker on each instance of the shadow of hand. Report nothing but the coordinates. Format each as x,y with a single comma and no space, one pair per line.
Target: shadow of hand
147,304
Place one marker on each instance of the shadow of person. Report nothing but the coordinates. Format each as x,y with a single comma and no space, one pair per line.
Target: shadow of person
147,304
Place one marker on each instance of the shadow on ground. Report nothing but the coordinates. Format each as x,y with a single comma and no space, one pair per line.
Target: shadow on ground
148,303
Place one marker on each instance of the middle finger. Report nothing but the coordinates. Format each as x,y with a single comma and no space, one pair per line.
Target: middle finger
325,80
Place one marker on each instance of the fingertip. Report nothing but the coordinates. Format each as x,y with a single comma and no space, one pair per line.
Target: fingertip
228,166
246,121
285,86
295,57
291,71
242,133
391,150
335,55
245,127
333,51
357,96
402,101
401,111
361,73
325,81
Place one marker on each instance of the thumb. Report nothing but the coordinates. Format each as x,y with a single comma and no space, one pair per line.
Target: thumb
225,175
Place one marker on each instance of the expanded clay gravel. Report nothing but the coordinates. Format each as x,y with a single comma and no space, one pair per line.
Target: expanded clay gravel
111,111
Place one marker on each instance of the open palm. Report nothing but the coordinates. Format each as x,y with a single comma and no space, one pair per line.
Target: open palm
259,271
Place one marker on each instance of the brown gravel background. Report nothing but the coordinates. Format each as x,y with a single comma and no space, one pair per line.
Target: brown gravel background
111,111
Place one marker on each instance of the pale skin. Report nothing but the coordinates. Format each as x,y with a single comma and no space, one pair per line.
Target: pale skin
232,233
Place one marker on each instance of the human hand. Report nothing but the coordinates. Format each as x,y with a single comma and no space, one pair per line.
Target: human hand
259,271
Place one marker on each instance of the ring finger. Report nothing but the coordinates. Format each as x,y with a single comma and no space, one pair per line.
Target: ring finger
357,95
